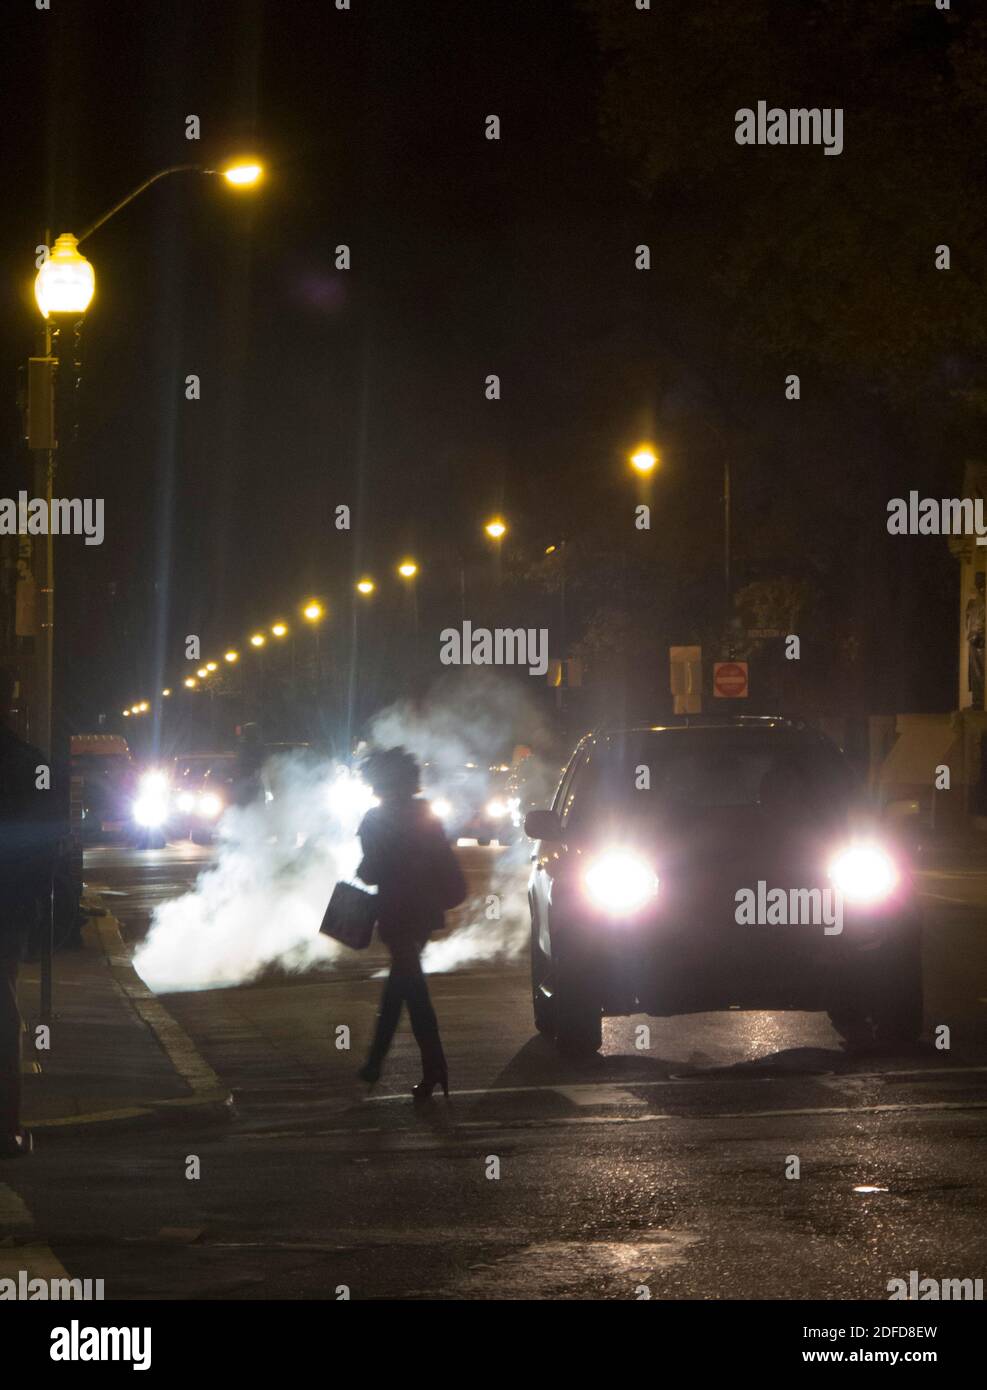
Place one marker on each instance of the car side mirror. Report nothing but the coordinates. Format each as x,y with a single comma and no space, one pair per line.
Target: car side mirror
542,825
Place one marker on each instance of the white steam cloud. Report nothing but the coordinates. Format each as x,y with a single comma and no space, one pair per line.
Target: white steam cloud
259,905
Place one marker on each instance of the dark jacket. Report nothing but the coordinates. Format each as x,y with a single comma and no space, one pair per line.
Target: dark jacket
407,856
29,830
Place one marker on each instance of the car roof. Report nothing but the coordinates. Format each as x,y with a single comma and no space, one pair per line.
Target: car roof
778,726
708,721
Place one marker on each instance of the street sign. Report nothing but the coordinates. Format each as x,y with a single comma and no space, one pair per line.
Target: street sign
686,669
730,680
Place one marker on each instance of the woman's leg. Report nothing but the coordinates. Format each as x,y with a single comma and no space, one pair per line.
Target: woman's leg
424,1023
388,1016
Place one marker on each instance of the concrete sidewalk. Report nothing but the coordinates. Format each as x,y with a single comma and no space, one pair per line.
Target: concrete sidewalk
114,1053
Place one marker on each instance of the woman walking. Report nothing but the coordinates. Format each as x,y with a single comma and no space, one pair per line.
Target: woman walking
407,856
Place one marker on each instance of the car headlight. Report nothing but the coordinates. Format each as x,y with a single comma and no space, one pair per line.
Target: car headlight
863,873
440,807
209,805
185,801
620,882
496,808
151,809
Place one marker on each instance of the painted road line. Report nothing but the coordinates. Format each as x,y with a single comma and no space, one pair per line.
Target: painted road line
438,1141
571,1092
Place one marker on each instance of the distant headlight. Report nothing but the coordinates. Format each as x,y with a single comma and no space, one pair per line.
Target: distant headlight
209,805
349,796
497,808
620,882
185,801
864,873
440,807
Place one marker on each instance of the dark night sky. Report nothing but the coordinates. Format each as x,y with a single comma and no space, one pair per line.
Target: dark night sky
366,387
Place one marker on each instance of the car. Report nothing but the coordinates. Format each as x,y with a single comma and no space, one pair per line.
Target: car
201,787
472,801
687,866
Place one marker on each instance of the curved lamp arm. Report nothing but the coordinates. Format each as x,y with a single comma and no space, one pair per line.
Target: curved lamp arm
162,173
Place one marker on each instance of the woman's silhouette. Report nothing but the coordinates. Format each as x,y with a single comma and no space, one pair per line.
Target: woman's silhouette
406,854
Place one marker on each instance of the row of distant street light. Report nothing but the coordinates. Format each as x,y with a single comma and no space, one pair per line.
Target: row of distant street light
313,611
643,460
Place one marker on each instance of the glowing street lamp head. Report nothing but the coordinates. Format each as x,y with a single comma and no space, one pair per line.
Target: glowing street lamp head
644,459
66,282
167,691
126,714
231,656
143,707
365,586
135,709
312,611
258,639
202,673
243,173
407,569
190,682
496,529
211,666
279,629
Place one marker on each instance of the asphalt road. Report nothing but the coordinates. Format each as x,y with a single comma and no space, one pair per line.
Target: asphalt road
662,1170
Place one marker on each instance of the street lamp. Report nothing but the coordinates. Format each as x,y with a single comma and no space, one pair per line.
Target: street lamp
279,629
231,656
496,529
66,282
190,682
241,174
312,611
365,586
407,569
644,460
258,639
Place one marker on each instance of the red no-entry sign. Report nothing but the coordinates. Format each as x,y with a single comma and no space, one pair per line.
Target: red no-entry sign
730,679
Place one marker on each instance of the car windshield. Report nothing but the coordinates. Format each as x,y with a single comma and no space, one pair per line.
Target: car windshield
654,773
195,769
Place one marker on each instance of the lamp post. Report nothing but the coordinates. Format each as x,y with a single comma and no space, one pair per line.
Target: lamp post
63,290
408,570
496,529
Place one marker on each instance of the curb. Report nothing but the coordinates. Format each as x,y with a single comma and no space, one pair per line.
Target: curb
102,932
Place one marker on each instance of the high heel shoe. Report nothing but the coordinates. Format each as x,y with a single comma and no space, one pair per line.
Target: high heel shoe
423,1091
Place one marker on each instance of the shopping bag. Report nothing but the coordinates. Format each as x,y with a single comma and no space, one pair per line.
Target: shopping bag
350,916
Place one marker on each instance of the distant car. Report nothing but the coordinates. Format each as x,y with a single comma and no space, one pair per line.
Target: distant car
650,885
201,788
472,801
108,774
